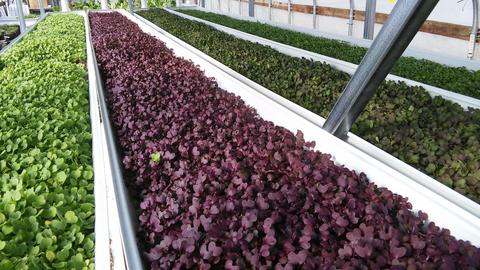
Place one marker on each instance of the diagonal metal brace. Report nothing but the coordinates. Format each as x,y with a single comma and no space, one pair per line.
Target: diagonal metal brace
401,27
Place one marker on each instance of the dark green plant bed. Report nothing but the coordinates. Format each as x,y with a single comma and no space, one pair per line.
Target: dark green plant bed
432,134
458,80
8,33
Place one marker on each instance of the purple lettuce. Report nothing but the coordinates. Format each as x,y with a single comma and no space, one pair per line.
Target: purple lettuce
222,188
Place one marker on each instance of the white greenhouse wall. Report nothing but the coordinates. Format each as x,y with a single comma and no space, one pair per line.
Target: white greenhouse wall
261,12
300,18
447,11
450,11
280,16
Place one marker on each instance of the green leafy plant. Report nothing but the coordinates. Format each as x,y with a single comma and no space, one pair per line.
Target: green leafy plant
432,134
46,203
88,5
155,157
122,4
460,80
161,3
9,30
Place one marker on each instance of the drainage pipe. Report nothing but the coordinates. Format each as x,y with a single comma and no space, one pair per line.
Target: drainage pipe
473,35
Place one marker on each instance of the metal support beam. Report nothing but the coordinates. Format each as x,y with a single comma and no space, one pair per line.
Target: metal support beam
474,33
218,5
269,10
289,11
143,3
314,14
251,8
369,26
351,16
240,7
228,5
64,5
404,22
20,16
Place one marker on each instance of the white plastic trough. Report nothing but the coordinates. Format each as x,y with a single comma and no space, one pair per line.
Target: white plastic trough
462,100
462,223
109,253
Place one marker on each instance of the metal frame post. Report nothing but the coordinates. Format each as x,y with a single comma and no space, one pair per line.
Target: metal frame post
474,33
401,27
314,14
104,4
269,10
240,7
351,16
289,11
143,3
228,5
41,7
21,17
218,5
369,26
251,8
130,5
64,5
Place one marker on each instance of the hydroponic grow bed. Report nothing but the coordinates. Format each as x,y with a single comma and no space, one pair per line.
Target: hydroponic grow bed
155,168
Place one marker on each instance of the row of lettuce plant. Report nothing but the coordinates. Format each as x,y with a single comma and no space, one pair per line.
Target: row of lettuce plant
219,187
457,79
47,204
432,134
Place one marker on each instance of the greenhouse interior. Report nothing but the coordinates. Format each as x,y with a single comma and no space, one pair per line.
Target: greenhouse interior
239,134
